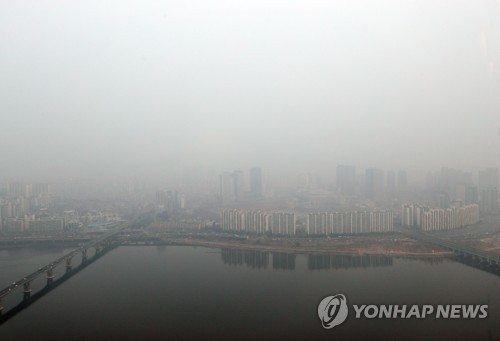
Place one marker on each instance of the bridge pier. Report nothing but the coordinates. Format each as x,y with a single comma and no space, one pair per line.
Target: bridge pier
98,249
50,276
27,291
68,264
84,255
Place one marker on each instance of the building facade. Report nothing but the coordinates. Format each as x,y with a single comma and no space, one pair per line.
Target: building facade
279,223
346,180
438,219
256,188
374,183
489,200
328,223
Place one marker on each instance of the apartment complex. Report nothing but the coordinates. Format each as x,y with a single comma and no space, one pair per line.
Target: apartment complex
281,223
30,224
437,219
325,223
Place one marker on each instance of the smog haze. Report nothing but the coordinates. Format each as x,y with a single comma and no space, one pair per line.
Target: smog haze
121,88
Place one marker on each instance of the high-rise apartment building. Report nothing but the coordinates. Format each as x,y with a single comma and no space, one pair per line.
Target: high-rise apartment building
238,185
436,219
232,186
167,200
279,223
488,178
226,187
17,189
256,188
489,200
471,195
374,183
391,181
402,181
327,223
346,180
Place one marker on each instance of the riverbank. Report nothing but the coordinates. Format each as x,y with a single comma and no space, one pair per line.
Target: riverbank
355,246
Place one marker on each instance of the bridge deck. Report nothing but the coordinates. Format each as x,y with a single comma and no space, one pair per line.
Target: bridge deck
488,256
4,292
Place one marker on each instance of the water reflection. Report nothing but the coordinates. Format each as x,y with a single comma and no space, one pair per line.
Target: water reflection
323,262
283,261
287,261
258,259
253,259
429,261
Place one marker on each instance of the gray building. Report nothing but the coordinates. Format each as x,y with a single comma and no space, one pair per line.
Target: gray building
238,185
471,195
391,181
346,179
489,200
256,188
402,181
488,178
226,187
374,183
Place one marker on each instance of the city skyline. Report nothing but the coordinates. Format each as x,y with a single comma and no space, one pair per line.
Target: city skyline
234,169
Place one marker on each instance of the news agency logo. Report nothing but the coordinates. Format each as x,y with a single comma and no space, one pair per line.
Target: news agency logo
332,311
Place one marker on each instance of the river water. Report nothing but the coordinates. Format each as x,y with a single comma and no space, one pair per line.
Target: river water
180,292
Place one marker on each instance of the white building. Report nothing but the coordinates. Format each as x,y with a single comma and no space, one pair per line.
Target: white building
280,223
326,223
437,219
44,225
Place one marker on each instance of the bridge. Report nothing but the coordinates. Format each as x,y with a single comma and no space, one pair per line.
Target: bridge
463,251
101,245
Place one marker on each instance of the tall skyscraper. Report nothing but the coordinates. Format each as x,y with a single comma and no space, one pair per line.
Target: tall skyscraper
226,187
238,185
374,183
488,183
391,181
471,195
256,182
402,181
167,200
460,192
39,189
346,179
488,178
489,200
17,189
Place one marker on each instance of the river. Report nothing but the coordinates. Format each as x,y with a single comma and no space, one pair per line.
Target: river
180,292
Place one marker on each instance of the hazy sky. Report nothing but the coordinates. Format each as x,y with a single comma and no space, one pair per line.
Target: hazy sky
142,87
